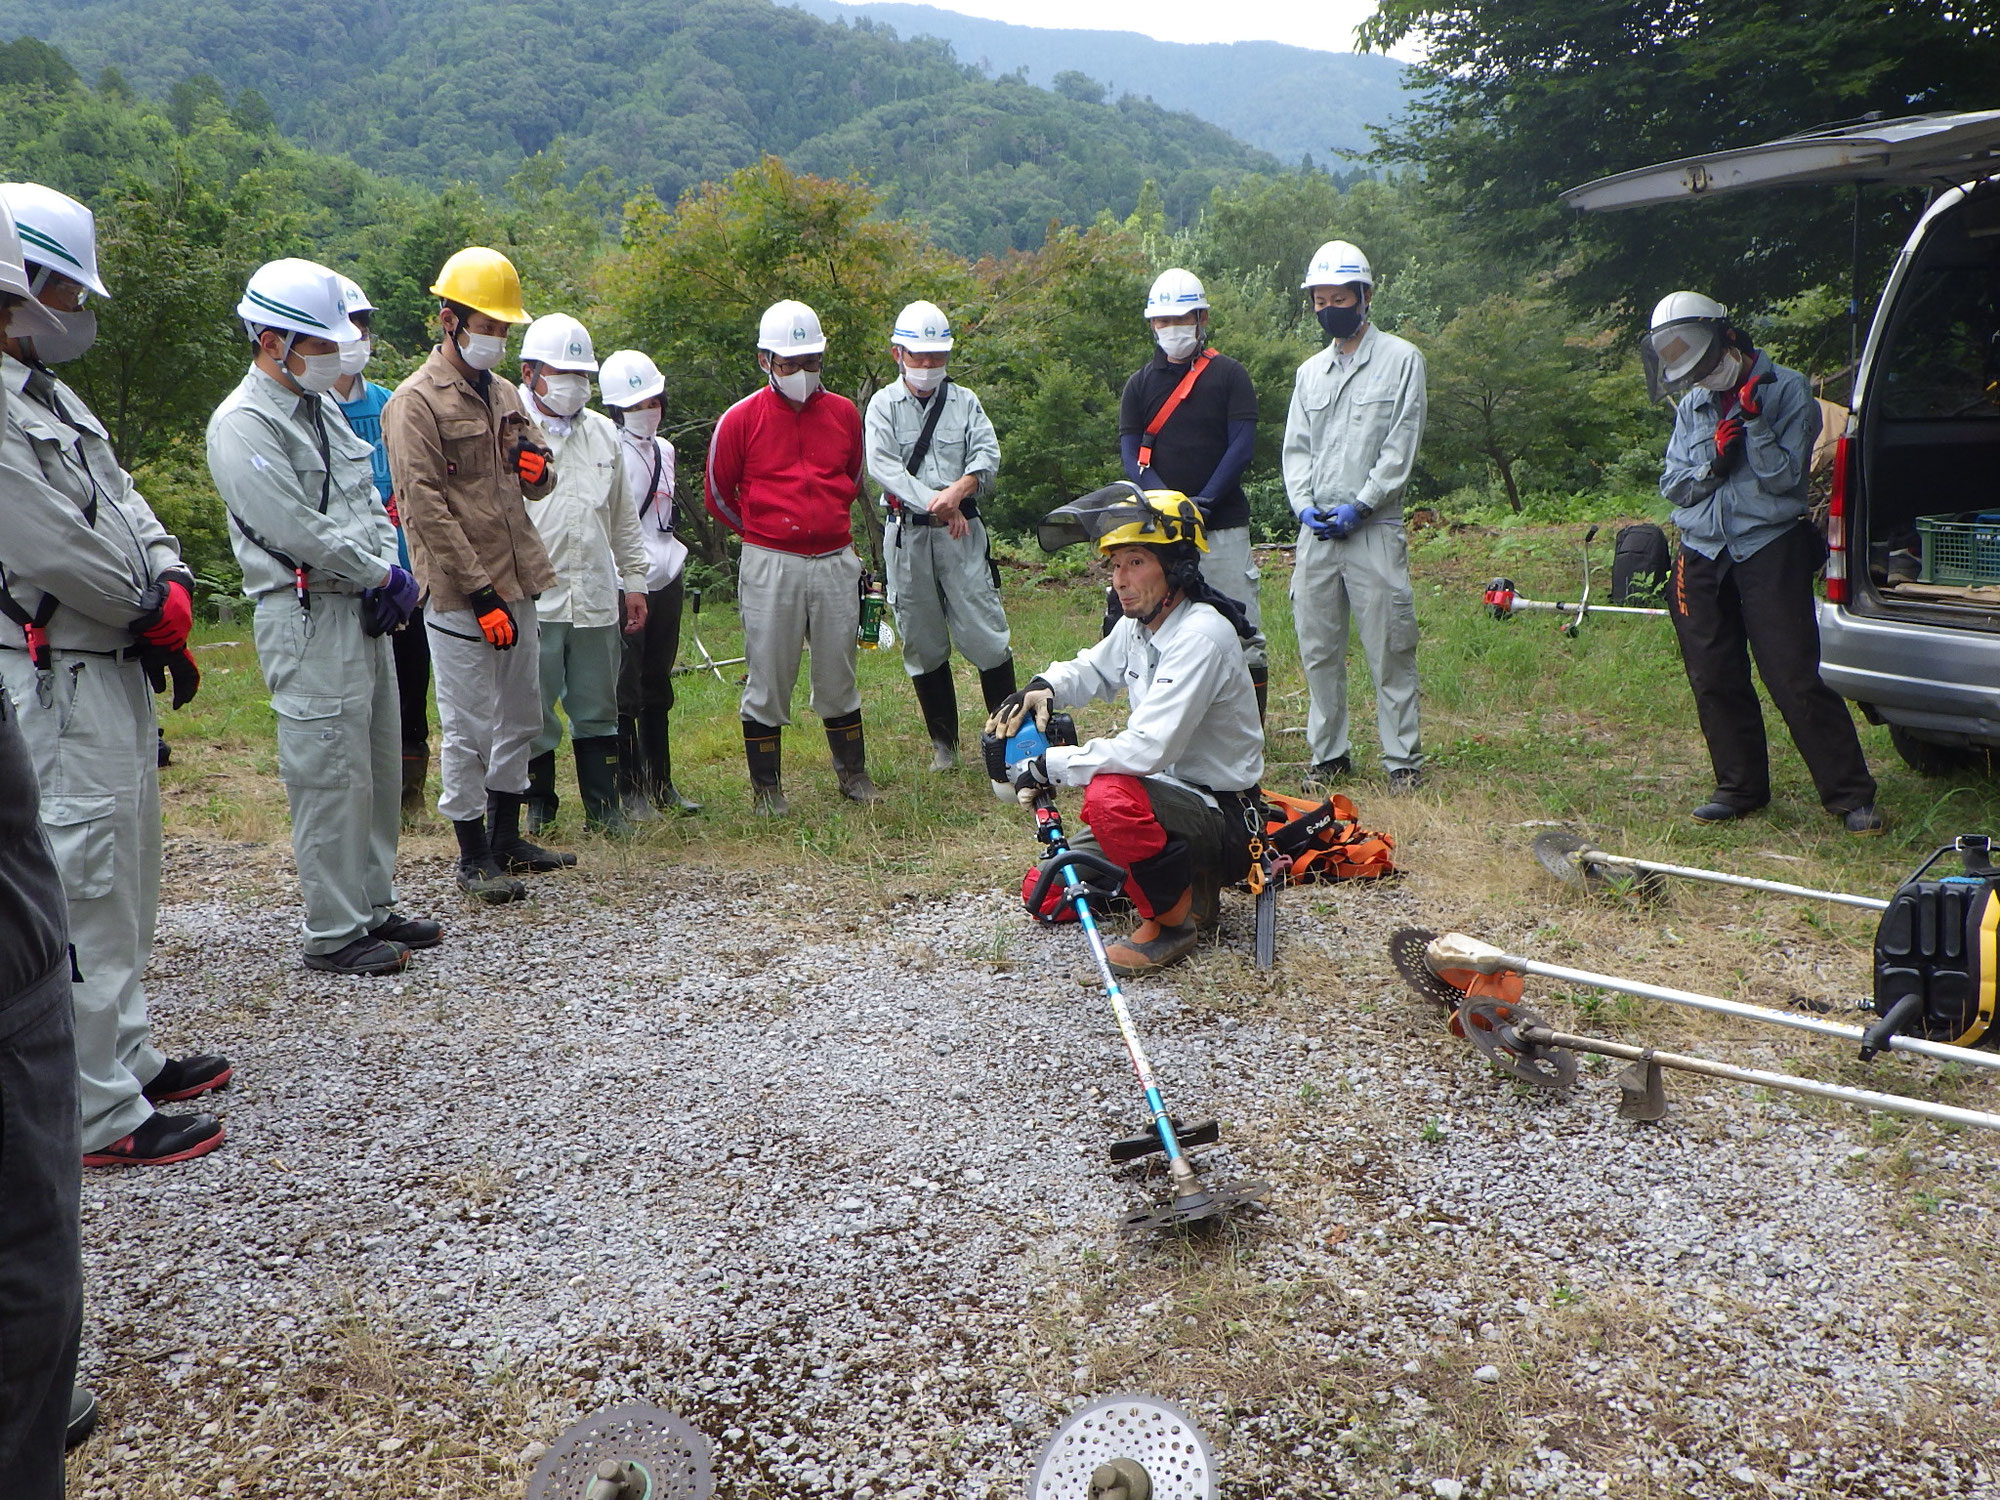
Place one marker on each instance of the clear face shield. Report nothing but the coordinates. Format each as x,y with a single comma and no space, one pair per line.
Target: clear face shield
1678,355
1091,516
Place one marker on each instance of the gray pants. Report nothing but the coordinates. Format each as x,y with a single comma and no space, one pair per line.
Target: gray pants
786,601
340,755
1231,567
95,746
489,707
1366,575
942,593
580,667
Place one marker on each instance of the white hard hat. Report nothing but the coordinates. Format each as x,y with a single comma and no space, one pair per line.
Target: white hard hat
560,342
297,296
357,300
629,377
1175,292
30,320
789,329
922,328
1337,263
56,231
1685,339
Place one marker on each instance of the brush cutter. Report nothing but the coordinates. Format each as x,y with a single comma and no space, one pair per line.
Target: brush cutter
1576,862
1192,1200
1483,986
707,663
1504,602
627,1453
1125,1447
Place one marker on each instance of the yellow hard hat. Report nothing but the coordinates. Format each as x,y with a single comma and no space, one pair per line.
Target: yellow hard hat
485,281
1123,515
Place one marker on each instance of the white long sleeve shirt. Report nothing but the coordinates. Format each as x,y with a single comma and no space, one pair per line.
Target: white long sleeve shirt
587,523
652,492
1193,709
1352,433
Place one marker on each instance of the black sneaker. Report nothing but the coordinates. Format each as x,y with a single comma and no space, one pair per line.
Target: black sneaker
1722,812
411,932
185,1077
365,955
1322,776
1863,821
161,1140
82,1417
1405,780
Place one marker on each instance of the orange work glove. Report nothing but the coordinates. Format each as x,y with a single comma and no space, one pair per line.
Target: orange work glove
496,621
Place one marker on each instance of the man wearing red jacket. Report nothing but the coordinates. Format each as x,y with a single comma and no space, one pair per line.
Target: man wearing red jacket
784,471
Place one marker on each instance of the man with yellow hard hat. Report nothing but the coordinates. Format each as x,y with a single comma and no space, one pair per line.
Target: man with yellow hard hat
463,454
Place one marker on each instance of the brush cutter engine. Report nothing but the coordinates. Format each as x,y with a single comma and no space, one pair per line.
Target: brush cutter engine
1936,965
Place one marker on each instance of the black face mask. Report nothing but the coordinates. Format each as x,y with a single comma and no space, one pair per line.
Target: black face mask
1342,322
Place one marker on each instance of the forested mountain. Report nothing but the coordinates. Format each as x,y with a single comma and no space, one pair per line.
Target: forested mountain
660,94
1289,101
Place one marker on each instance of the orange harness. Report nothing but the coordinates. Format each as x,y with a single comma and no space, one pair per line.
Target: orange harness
1323,841
1170,406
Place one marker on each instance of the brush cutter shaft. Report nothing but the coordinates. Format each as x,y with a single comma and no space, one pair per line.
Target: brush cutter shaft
1564,607
1717,877
1818,1025
1867,1098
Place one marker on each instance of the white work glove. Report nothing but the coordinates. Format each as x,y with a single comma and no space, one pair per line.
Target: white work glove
1032,702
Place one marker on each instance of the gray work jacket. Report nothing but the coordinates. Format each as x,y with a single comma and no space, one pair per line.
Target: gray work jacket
964,443
1764,493
1351,435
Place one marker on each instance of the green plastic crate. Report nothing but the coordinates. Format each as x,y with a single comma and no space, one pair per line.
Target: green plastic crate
1960,551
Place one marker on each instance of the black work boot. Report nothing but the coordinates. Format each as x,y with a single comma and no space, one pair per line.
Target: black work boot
656,747
479,873
517,855
938,699
763,746
597,771
635,796
1260,680
541,801
416,771
996,684
850,758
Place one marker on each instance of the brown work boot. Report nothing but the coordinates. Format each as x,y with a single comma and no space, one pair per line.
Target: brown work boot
1156,942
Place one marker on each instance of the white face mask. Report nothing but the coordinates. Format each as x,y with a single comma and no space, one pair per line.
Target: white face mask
1725,376
1178,341
79,332
320,373
354,356
923,382
567,391
643,425
798,385
482,351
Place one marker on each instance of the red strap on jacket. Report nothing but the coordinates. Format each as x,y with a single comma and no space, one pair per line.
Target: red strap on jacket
1170,406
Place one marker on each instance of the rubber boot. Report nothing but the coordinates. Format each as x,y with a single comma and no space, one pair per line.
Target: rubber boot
939,701
635,796
1156,942
597,769
1260,680
517,855
996,684
541,801
850,759
416,771
763,747
656,748
479,873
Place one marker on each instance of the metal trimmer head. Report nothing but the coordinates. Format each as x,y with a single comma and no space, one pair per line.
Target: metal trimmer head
1407,947
1125,1447
626,1453
1556,850
1206,1203
1494,1028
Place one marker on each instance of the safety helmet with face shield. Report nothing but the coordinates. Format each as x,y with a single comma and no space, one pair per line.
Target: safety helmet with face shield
1687,340
1123,515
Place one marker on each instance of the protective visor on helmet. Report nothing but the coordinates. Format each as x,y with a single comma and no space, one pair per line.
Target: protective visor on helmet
1678,354
1122,515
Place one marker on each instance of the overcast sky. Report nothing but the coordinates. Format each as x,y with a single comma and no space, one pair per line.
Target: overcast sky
1328,24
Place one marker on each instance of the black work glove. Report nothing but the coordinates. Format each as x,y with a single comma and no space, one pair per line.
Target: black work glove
1030,778
159,665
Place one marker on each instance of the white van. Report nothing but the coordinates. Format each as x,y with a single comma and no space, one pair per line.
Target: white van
1917,470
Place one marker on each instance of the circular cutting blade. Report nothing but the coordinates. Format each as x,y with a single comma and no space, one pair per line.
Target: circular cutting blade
673,1456
1494,1027
1555,848
1407,946
1154,1434
1192,1208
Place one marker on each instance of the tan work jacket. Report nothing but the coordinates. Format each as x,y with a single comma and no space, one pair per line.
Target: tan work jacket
457,489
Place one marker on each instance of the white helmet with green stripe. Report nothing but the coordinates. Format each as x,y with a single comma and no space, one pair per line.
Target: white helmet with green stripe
299,297
57,233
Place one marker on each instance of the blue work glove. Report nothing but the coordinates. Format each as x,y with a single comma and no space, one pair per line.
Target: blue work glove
1030,778
1344,520
391,604
1317,521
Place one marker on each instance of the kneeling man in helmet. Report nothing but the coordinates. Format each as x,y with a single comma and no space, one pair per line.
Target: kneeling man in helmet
1173,797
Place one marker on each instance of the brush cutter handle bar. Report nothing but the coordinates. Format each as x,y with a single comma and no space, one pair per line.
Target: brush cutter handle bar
1867,1098
1516,604
1063,863
1717,877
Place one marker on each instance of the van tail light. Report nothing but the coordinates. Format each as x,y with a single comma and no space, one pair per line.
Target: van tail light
1836,524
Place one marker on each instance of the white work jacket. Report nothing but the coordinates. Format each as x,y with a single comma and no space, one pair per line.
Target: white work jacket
1194,711
964,443
587,522
653,497
97,560
1352,434
305,488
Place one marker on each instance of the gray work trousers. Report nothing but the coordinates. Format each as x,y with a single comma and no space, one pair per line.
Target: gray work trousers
942,593
489,707
340,755
95,745
787,601
1231,568
1365,575
579,666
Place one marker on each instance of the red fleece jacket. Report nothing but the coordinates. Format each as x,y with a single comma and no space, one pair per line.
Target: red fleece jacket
785,477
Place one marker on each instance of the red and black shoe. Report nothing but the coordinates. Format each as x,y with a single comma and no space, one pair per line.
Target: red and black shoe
188,1077
161,1140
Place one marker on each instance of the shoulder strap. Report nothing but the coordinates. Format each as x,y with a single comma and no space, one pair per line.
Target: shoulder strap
1170,406
653,483
923,447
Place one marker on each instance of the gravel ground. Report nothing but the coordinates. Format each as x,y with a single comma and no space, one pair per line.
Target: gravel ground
824,1174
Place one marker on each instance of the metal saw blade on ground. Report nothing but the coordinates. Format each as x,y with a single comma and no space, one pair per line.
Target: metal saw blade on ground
1407,946
673,1455
1193,1208
1494,1028
1157,1435
1556,850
